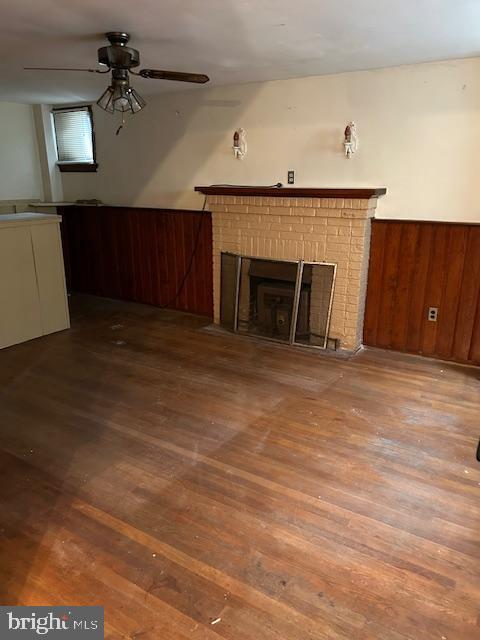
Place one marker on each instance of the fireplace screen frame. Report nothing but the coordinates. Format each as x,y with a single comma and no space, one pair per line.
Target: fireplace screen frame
296,297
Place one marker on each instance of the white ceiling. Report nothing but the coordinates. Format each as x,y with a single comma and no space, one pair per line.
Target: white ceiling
231,40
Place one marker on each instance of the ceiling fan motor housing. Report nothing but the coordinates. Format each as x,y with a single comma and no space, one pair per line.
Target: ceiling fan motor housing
118,55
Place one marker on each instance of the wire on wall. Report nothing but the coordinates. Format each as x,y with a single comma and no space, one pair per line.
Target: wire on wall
197,242
192,257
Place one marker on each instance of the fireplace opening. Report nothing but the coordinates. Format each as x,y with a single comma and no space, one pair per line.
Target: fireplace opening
266,298
285,301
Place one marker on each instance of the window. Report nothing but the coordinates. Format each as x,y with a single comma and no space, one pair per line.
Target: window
75,139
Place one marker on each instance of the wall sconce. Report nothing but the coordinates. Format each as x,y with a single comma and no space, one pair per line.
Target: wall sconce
350,140
239,144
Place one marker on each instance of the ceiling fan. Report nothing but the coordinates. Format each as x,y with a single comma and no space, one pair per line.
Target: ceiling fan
120,60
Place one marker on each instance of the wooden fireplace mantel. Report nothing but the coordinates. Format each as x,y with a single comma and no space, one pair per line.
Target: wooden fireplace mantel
292,192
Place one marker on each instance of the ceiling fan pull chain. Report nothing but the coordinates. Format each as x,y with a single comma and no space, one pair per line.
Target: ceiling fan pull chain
121,126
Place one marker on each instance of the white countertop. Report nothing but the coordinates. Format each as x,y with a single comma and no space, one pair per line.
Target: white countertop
51,204
28,217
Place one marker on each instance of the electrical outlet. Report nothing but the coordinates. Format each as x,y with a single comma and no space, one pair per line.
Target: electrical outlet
291,177
432,314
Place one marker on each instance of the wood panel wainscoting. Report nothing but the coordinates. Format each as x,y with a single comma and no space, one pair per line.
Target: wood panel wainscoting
417,265
141,255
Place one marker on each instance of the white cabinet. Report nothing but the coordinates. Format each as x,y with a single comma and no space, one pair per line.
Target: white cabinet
33,297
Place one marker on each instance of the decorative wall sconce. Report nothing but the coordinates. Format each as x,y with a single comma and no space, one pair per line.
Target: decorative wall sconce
350,141
239,144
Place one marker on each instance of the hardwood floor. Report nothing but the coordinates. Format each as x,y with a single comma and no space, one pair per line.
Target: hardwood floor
179,476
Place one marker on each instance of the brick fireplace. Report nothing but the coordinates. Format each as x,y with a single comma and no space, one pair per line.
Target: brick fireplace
314,225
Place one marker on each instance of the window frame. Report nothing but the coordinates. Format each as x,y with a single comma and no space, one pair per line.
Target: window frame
78,167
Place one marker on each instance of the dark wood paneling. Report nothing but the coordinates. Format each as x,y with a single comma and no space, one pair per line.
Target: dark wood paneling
140,255
377,251
417,265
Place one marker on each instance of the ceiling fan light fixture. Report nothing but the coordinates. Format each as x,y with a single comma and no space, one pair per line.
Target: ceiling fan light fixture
136,101
121,97
105,101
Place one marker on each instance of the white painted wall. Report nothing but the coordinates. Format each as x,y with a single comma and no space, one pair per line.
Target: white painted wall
419,131
47,151
20,173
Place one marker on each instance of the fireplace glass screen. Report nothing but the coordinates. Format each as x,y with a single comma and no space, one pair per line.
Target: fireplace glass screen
314,304
228,287
281,300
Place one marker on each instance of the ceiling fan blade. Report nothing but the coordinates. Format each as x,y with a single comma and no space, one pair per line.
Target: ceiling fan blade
61,69
178,76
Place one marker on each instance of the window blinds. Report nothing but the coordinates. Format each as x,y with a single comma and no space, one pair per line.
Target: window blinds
73,131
